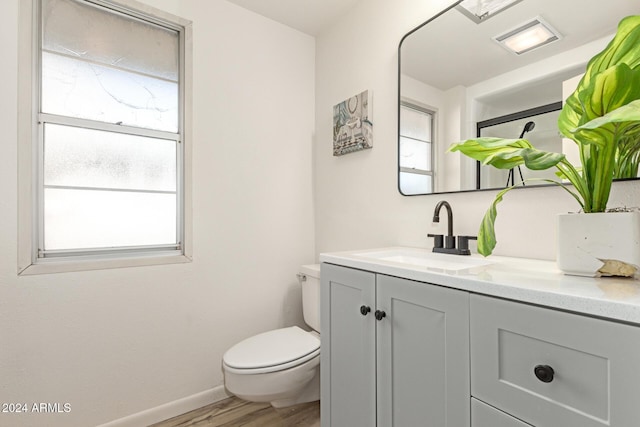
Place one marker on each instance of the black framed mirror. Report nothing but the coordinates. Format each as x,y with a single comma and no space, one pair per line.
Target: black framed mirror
454,74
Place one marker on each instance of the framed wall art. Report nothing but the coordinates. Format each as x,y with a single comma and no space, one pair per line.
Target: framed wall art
352,126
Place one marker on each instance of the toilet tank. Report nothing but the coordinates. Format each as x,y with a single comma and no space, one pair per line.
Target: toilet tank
310,281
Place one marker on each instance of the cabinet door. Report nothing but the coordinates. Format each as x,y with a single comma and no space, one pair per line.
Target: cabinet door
347,374
423,355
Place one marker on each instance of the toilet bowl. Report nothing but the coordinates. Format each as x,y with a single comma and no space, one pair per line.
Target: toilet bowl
281,366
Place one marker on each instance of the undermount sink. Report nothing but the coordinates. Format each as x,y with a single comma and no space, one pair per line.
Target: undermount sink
423,258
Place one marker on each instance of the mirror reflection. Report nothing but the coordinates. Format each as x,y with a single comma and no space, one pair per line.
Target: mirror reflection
458,80
538,126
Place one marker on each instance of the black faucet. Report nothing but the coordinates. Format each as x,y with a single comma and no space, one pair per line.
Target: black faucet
449,246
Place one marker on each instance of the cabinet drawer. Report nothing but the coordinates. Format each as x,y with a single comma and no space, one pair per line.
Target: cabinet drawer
483,415
592,366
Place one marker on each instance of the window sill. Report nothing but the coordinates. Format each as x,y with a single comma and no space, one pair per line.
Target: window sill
57,266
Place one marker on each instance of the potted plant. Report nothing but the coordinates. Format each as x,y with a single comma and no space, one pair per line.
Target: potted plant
602,116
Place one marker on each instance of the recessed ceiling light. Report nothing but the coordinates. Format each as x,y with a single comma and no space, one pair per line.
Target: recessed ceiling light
528,36
481,10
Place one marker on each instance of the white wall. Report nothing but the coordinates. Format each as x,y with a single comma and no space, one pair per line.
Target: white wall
358,204
115,342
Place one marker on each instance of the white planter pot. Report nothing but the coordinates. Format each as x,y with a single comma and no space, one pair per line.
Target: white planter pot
599,244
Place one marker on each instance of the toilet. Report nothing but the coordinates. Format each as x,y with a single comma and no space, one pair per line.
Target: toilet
280,366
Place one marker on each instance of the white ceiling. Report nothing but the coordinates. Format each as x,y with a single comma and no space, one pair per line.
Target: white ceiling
452,50
308,16
446,47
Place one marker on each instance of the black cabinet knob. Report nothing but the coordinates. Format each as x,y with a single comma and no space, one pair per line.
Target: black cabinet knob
364,310
380,314
544,373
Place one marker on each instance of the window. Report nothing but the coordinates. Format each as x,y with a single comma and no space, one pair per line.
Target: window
416,150
109,159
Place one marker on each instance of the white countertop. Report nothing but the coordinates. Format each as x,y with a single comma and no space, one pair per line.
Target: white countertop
527,280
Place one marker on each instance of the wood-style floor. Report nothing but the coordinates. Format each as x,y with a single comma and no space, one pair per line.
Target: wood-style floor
234,412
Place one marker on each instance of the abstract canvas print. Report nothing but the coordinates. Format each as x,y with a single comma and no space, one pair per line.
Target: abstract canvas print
352,127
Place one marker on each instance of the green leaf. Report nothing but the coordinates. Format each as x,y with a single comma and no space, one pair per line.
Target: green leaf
623,49
614,88
532,158
569,117
487,233
629,115
505,153
609,90
481,148
486,149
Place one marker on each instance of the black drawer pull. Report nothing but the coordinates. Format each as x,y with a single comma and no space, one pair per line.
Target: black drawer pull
380,314
544,373
364,310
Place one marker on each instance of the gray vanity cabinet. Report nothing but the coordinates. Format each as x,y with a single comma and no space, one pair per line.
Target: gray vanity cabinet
483,415
550,368
395,352
347,355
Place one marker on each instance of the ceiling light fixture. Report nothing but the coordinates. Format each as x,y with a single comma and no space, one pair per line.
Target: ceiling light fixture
481,10
528,36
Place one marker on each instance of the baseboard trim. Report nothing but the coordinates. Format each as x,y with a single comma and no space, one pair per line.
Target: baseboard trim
171,409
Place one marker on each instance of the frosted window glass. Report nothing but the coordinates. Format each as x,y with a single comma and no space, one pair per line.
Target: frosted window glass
83,219
415,124
75,88
412,183
415,154
80,157
99,189
95,34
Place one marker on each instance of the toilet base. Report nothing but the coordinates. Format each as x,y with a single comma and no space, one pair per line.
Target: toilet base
281,389
310,393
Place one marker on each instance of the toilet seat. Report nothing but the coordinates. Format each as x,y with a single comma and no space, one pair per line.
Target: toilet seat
272,351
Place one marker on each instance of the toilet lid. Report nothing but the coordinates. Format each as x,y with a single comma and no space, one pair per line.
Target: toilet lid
273,349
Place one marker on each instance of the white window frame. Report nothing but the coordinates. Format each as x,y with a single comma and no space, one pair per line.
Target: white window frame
29,191
424,110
